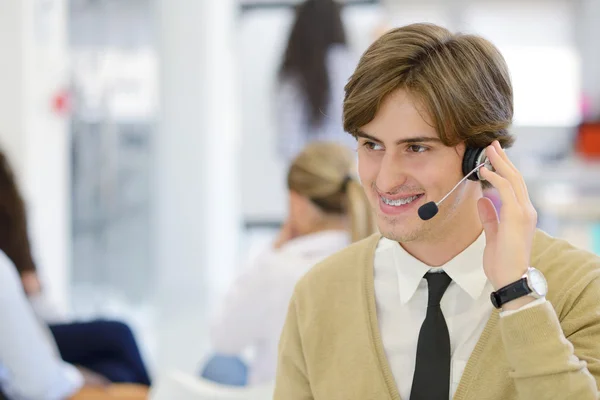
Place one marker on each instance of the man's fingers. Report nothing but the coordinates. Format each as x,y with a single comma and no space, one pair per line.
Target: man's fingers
509,173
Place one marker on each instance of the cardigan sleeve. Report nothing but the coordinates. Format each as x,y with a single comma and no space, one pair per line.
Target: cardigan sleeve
552,359
292,381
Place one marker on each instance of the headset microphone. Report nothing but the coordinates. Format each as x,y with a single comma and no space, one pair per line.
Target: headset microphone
429,210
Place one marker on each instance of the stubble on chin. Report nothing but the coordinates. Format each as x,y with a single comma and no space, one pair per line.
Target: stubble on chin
392,229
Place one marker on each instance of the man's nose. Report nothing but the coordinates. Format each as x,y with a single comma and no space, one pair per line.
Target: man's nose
392,174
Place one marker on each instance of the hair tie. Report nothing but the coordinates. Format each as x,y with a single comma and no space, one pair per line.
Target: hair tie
345,182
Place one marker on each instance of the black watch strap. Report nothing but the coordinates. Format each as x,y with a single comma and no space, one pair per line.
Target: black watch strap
510,292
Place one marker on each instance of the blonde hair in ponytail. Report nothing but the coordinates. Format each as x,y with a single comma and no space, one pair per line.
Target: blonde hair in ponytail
361,216
324,173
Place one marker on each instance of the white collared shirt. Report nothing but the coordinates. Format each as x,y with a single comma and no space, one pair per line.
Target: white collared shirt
30,368
254,310
401,295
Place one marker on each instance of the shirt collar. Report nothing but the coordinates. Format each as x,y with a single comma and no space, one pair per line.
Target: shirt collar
466,269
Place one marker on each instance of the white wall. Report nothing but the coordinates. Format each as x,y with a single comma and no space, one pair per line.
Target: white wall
33,69
195,210
195,186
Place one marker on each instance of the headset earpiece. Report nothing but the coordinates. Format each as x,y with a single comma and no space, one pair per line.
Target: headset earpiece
470,162
474,157
482,159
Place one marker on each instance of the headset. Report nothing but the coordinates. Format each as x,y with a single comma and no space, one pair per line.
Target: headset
473,160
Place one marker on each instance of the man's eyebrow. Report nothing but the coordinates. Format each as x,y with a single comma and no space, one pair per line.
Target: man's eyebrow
416,139
365,135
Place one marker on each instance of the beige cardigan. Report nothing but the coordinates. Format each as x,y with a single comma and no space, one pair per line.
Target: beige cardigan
331,349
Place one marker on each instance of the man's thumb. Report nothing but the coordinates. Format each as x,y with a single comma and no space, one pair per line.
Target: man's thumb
488,217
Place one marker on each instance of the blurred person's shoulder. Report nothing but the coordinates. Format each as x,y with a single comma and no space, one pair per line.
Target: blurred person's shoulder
341,274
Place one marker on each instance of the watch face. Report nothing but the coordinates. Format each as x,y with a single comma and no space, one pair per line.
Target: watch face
537,281
494,299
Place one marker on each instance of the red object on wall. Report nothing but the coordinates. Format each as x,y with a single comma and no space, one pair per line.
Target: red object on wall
587,143
61,102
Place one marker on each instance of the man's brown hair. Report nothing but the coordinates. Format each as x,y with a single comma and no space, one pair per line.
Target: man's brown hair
461,80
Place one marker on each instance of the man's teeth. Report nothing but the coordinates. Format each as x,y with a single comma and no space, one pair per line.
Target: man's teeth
399,202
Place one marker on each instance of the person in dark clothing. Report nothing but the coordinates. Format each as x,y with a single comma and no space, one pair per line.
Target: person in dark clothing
106,347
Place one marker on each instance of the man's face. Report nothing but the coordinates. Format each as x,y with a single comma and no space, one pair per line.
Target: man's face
403,164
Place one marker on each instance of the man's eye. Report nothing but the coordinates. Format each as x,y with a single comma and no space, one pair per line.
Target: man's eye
373,146
416,148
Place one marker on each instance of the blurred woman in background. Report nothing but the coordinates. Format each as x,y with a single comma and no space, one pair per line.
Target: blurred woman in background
106,349
328,211
316,65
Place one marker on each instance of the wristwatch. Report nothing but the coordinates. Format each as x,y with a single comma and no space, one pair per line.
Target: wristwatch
533,283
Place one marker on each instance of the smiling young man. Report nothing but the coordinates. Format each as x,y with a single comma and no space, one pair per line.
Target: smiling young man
463,304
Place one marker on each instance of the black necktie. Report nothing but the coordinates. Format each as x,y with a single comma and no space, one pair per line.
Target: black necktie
432,370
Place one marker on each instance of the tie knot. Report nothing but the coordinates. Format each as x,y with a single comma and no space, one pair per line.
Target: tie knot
437,282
